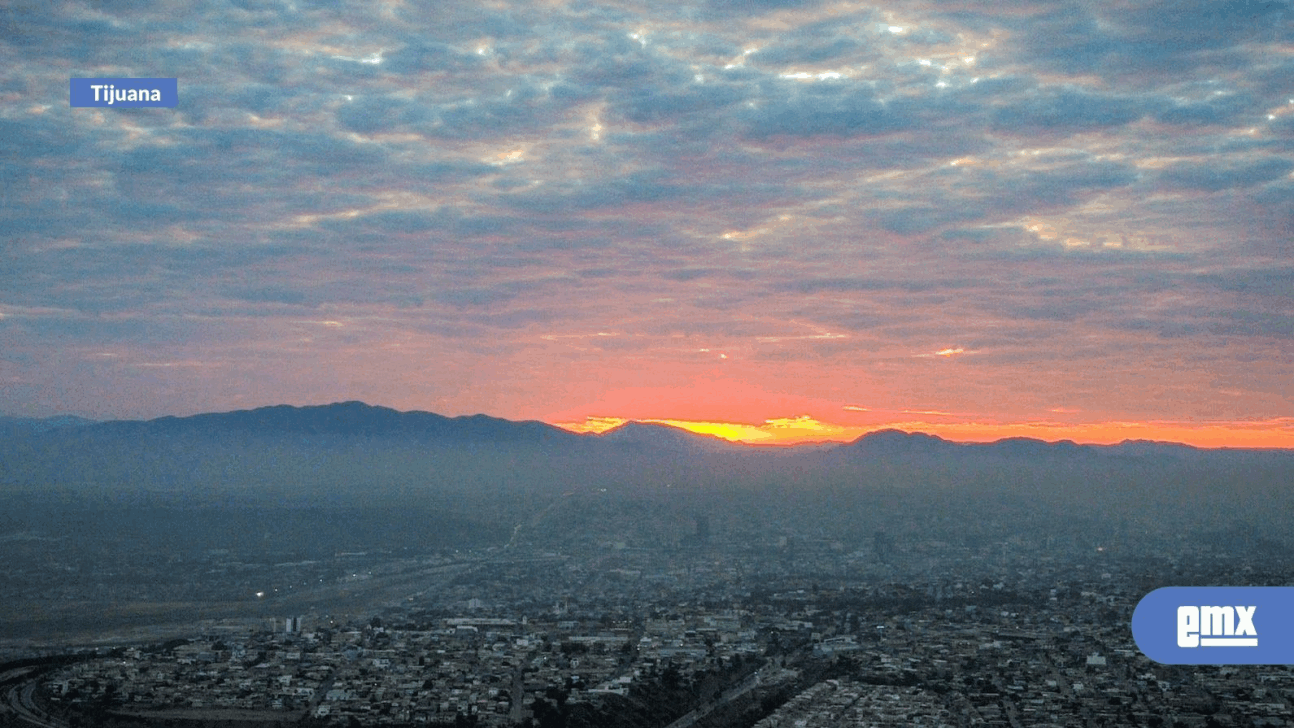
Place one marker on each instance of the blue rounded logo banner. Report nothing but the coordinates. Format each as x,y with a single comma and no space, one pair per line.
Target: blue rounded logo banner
1216,625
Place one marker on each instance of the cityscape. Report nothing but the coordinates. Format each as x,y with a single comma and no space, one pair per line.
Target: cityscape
1037,637
610,608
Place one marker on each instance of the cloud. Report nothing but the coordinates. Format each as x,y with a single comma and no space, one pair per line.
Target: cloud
1065,110
270,294
418,55
1271,284
801,186
919,219
835,110
637,187
1153,40
691,274
476,297
1216,107
372,114
1212,177
918,285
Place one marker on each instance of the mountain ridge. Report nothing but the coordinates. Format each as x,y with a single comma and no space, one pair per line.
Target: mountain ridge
356,418
350,418
666,437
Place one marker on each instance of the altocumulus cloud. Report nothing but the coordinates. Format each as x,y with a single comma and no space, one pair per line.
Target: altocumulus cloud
694,176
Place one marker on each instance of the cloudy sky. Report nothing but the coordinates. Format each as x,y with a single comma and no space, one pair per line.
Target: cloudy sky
774,219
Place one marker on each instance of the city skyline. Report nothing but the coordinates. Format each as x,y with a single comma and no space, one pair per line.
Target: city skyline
777,221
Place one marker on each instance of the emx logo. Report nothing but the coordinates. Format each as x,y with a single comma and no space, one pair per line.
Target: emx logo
1215,625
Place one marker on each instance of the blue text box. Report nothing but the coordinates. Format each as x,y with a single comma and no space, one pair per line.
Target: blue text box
125,93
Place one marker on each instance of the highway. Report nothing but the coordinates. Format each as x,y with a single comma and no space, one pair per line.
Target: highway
20,701
732,693
18,687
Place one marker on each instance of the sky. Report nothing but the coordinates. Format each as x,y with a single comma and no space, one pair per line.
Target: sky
773,220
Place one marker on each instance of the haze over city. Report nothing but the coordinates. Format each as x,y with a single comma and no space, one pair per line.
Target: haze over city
775,221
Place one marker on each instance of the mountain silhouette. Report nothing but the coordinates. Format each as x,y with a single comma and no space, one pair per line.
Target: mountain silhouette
656,436
347,419
898,442
10,426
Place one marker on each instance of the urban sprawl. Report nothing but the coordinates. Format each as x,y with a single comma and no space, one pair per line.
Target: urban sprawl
801,634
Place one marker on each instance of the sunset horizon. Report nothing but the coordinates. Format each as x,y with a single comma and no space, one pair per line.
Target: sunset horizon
775,222
806,429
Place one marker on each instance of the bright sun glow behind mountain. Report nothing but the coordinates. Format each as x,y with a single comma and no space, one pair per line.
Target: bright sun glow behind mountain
793,430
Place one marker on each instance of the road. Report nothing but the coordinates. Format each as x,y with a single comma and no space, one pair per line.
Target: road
20,700
729,695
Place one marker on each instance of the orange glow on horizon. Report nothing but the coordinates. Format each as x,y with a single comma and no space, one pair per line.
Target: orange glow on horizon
1276,433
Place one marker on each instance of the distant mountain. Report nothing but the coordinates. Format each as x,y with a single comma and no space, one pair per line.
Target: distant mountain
1028,447
359,420
898,442
650,436
497,474
1151,448
348,419
28,425
351,451
889,444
